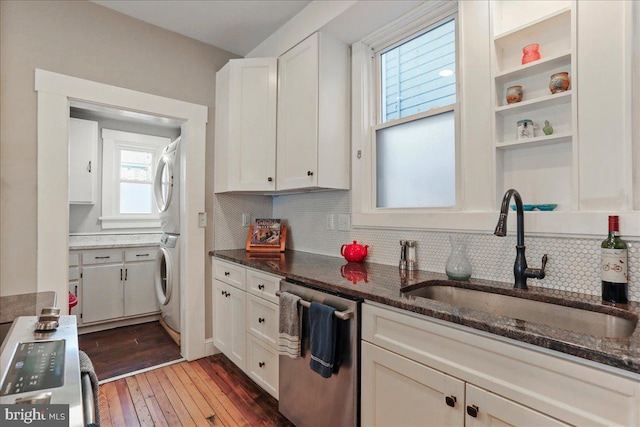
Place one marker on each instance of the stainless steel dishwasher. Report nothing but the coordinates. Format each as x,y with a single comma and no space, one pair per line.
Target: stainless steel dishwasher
306,398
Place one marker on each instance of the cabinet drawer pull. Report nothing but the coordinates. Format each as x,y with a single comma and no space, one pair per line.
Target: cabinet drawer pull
142,254
261,287
89,167
450,400
226,273
260,319
473,411
309,173
103,257
270,179
261,364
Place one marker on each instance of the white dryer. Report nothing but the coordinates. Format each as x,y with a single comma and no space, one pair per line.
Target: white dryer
167,280
167,188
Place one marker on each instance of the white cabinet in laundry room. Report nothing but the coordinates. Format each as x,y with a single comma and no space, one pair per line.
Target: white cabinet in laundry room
313,115
245,131
118,284
83,171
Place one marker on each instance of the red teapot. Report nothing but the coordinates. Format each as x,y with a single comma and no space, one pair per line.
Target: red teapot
354,252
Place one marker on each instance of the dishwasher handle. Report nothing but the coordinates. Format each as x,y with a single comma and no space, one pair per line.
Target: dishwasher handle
342,315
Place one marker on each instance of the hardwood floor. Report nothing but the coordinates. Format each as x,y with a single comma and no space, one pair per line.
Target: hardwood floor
127,349
206,392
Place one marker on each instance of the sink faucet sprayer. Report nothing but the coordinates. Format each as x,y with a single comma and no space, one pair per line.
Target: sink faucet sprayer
520,270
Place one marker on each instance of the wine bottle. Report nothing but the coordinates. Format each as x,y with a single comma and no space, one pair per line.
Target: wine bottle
613,266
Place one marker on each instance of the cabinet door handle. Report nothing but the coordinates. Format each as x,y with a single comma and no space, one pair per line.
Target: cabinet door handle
75,290
120,274
450,400
261,287
261,364
270,179
126,273
89,167
260,319
226,273
309,173
473,411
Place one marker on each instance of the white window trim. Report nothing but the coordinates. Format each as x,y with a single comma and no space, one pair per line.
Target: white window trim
365,122
112,141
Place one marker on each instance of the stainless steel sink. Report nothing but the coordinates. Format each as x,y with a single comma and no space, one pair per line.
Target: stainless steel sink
543,313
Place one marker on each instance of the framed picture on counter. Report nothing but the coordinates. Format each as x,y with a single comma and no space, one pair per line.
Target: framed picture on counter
267,235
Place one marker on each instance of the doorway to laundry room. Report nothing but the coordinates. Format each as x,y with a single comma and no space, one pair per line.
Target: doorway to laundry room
124,267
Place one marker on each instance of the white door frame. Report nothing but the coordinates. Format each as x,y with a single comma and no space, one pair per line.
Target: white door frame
55,92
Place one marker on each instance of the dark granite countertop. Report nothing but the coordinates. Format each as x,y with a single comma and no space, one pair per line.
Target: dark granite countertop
385,284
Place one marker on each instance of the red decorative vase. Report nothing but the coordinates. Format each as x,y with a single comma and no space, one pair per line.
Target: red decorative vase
530,53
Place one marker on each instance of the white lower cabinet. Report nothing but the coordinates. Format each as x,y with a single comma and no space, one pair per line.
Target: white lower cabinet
229,321
418,371
102,292
114,284
245,321
262,364
398,391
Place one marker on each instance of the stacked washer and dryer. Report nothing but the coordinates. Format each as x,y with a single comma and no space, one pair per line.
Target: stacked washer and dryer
167,195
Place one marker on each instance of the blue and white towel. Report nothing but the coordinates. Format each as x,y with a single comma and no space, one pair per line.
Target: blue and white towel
323,335
290,325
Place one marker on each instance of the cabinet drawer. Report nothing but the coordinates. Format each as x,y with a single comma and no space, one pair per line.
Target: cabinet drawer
140,254
74,260
262,319
74,273
263,285
101,257
230,273
262,365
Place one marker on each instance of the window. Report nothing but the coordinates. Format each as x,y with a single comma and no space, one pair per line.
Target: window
129,163
406,95
415,135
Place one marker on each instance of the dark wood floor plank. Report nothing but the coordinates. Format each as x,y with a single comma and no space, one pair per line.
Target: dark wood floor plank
103,405
157,416
115,410
198,408
222,411
139,403
233,411
164,402
126,403
127,349
181,410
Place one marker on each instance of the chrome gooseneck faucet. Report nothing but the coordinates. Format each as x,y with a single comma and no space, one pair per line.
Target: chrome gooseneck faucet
520,270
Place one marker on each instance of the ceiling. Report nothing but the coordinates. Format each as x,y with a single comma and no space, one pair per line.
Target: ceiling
237,26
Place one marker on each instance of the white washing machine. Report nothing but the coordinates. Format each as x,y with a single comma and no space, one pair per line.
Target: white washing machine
167,279
167,188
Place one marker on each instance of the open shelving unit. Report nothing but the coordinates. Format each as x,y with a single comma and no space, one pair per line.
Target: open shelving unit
543,168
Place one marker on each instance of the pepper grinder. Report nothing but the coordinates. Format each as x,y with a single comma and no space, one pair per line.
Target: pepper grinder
403,254
412,262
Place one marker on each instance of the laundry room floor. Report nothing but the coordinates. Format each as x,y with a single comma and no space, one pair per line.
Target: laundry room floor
128,349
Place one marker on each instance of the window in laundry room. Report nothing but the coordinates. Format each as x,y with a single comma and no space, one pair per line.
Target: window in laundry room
129,162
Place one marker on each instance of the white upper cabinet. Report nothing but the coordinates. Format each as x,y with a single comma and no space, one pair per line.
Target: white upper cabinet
83,171
313,115
245,128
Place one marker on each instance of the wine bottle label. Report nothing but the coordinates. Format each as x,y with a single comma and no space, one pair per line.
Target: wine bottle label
613,266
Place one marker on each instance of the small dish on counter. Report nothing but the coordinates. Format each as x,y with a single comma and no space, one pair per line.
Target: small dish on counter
548,207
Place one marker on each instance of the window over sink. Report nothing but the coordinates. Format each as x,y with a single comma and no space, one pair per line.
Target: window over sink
410,105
